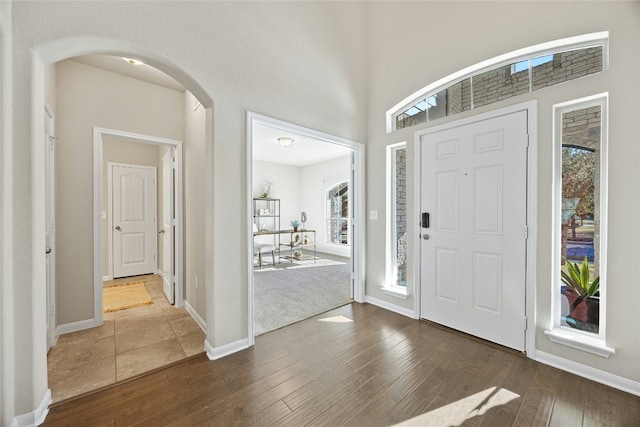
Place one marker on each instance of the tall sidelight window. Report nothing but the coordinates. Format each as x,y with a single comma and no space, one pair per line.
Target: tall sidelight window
397,215
580,214
337,205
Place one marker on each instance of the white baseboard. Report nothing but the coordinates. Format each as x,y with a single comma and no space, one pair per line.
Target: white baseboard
36,417
199,320
215,353
389,306
75,326
603,377
107,277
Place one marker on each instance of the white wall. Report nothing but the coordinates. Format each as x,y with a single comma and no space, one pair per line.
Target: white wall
475,31
303,188
286,187
316,179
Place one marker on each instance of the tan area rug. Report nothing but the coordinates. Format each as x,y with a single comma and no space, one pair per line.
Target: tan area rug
129,295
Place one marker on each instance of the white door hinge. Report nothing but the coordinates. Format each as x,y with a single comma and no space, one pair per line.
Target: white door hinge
526,140
526,231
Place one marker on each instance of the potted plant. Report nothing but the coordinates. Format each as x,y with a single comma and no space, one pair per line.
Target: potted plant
583,296
295,224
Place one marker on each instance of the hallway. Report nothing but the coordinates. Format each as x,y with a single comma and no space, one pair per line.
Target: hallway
129,343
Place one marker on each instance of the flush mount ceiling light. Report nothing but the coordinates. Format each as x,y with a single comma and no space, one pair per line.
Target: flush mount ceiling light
285,141
133,61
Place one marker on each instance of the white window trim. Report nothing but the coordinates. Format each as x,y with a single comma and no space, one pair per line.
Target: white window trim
390,287
589,342
556,46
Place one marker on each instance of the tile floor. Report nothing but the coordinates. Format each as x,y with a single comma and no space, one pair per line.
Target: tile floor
129,343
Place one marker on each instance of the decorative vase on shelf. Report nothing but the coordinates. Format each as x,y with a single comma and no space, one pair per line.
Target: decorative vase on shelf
305,241
295,229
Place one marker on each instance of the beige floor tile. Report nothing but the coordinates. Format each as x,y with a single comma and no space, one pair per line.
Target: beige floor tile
142,311
135,341
75,354
146,333
184,326
80,379
172,313
193,343
106,330
144,359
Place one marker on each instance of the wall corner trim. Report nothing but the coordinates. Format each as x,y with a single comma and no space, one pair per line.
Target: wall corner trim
215,353
391,307
199,320
36,417
597,375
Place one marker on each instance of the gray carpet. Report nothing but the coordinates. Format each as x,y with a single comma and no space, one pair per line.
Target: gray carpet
282,297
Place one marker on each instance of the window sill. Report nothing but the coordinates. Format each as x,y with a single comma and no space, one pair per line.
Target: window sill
593,345
395,291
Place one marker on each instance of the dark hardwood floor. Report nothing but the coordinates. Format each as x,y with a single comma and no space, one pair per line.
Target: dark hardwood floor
381,369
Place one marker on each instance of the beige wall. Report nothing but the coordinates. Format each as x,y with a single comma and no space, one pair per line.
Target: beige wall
194,215
88,97
471,43
116,150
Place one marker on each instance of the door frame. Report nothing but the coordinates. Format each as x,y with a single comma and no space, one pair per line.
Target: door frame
110,166
531,108
98,135
357,214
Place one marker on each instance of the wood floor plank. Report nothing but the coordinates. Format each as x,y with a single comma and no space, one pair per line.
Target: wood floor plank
382,369
538,403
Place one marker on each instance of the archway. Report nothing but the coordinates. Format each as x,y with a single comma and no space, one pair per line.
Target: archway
59,50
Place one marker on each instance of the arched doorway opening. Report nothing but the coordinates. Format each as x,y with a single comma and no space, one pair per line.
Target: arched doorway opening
60,50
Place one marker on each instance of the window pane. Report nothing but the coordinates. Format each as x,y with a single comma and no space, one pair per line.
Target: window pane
580,218
400,231
437,105
338,214
413,115
557,68
500,83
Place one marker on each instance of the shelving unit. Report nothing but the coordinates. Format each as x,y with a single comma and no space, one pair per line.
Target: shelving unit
266,217
299,244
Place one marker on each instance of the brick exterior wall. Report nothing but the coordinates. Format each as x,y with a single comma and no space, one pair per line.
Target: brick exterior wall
501,83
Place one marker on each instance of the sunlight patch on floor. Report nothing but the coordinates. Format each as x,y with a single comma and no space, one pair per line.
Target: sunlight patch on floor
336,319
456,413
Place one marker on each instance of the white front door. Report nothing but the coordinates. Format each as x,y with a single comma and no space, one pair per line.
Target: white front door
168,226
133,220
474,250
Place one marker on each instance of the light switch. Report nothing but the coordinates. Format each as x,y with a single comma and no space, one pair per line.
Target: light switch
104,215
373,215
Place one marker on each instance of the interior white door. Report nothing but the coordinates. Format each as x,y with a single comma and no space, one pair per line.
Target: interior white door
167,231
50,227
133,220
474,250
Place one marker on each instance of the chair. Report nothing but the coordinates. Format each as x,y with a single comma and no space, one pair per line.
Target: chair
259,248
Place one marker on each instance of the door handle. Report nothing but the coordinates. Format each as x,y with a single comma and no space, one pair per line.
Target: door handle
118,227
47,250
161,232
